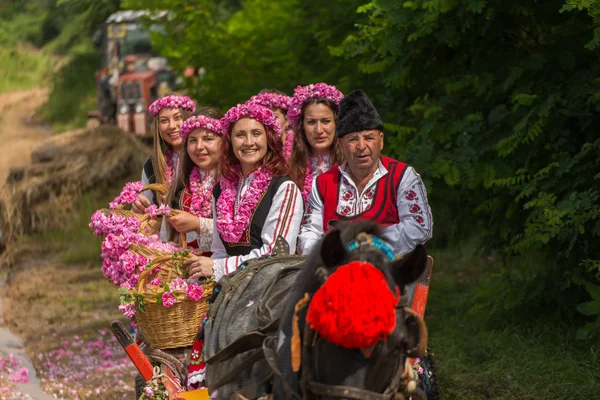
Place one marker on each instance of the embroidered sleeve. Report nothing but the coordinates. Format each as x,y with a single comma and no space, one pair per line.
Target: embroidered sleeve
285,217
205,237
312,223
148,193
416,222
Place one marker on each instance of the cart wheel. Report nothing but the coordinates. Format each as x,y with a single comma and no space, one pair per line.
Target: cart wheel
429,378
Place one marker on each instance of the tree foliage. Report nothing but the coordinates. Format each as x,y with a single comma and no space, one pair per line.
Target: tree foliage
244,47
497,102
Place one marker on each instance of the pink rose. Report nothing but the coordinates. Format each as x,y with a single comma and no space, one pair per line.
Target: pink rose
178,285
194,292
155,282
168,299
128,310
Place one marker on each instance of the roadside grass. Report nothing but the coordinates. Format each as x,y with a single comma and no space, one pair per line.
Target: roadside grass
481,356
24,67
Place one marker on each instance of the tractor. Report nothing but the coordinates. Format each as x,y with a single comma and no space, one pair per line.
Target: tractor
132,74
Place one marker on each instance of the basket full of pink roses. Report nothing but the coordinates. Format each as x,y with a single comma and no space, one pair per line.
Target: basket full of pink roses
168,308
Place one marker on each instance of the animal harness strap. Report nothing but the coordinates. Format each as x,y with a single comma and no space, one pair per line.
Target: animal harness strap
296,342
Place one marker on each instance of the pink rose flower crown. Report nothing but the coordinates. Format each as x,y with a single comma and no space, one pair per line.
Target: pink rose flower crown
303,93
172,101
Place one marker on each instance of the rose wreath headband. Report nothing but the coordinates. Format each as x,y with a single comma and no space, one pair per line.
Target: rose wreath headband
171,102
200,122
303,93
253,111
272,100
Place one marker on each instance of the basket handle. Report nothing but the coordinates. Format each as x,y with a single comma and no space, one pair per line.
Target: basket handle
157,187
156,262
182,242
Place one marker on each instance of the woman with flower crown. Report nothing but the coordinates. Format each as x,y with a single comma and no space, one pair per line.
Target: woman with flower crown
313,116
168,114
254,203
279,103
191,192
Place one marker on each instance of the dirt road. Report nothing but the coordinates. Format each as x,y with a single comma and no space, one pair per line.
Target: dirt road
17,135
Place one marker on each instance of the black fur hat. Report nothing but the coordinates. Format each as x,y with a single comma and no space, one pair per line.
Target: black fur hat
357,114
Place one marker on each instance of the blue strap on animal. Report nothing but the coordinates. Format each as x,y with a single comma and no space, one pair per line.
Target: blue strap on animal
363,239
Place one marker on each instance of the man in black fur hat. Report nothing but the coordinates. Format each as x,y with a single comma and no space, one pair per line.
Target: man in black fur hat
368,185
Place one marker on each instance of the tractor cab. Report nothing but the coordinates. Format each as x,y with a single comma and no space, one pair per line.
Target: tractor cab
132,74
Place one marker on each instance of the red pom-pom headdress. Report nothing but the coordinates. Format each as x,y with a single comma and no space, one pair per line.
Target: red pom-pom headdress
355,307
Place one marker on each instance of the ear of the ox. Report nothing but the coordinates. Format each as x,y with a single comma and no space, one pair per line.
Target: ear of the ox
410,267
333,251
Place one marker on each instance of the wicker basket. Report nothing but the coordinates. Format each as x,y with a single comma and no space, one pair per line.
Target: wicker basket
169,327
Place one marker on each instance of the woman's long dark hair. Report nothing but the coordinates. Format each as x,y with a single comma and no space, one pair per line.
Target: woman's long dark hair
301,149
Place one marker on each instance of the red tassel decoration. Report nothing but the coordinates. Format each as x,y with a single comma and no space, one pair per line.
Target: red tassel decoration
354,308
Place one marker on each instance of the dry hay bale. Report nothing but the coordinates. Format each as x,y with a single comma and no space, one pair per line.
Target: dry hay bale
53,146
39,197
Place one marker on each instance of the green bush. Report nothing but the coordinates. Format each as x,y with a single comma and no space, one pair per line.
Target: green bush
497,103
23,68
73,91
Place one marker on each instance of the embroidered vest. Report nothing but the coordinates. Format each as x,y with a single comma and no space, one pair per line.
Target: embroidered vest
149,170
383,209
251,239
182,201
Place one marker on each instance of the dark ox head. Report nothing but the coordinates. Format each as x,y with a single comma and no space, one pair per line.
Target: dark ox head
370,369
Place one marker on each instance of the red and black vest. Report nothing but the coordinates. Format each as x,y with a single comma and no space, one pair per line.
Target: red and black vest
383,210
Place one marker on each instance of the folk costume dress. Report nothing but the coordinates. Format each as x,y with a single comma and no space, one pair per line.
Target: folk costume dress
196,199
277,212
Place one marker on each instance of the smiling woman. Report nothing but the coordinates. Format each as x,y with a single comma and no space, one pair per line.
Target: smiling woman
254,203
168,114
201,150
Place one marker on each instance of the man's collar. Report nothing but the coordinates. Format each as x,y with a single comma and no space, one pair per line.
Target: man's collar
380,172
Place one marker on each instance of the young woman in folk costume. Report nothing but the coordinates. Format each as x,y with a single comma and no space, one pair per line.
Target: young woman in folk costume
279,103
313,116
254,203
191,192
168,114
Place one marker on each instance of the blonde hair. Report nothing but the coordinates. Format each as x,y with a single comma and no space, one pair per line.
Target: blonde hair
160,147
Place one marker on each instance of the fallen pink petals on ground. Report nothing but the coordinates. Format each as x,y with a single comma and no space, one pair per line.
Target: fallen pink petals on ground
88,368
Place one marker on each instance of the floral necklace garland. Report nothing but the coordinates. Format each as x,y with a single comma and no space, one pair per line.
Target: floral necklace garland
318,164
201,189
231,224
169,167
